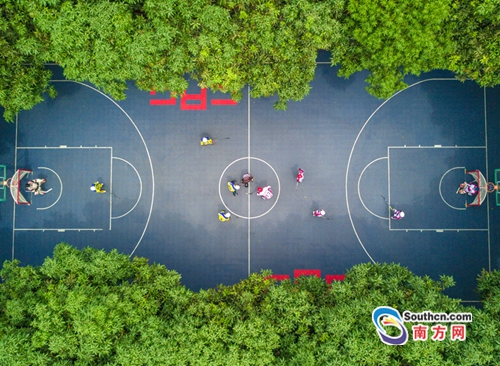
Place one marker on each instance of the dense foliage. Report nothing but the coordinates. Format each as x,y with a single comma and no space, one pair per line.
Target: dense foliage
270,45
476,39
394,38
90,307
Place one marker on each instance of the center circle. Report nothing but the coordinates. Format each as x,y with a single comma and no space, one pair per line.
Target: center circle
220,185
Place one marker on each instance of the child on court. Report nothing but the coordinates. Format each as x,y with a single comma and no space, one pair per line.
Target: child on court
397,214
233,187
35,186
224,216
247,178
300,176
97,187
206,140
265,193
319,213
468,188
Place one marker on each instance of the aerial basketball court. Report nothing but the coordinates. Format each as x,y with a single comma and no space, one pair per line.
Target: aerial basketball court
164,190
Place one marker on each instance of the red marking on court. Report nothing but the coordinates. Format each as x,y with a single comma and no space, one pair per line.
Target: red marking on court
330,278
223,102
201,98
170,101
192,102
307,272
279,277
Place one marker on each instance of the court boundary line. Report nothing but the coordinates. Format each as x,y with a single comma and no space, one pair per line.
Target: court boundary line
438,230
487,168
249,241
14,203
434,147
110,188
58,229
145,147
62,147
388,188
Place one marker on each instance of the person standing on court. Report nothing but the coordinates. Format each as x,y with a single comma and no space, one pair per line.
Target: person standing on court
35,186
319,213
233,187
247,178
206,140
397,214
224,216
97,187
300,176
265,193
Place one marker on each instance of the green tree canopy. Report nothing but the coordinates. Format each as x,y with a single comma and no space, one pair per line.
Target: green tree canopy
90,307
476,39
269,45
23,50
393,38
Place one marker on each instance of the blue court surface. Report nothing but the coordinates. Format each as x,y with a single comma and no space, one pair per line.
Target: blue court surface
164,190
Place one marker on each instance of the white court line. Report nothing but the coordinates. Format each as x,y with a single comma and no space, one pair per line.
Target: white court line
352,152
60,229
249,184
440,192
277,197
14,203
435,147
145,147
389,184
110,188
60,192
439,230
487,201
61,147
140,188
359,192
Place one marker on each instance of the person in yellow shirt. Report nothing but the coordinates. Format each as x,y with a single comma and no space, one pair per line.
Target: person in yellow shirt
206,141
224,216
233,187
97,187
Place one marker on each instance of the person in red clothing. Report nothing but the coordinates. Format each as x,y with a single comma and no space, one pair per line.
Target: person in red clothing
300,176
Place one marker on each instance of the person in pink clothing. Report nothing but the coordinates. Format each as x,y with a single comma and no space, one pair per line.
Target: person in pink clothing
397,214
265,193
319,213
468,188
